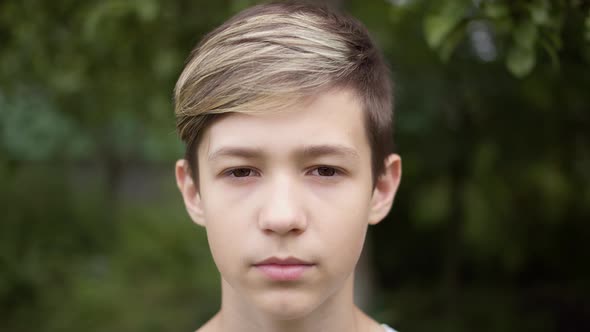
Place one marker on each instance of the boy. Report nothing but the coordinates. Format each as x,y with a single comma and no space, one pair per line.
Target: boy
286,113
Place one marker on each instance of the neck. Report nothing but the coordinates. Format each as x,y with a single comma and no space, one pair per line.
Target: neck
337,313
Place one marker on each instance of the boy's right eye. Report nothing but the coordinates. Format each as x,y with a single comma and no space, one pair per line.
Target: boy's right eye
241,172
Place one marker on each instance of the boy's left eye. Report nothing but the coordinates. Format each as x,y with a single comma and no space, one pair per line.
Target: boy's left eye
324,171
241,172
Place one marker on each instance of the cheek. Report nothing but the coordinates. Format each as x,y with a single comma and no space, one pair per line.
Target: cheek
342,223
222,246
226,231
346,234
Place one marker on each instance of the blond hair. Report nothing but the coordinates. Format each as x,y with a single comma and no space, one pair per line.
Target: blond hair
270,56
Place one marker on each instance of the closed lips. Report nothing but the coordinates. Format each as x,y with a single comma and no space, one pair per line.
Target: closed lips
283,261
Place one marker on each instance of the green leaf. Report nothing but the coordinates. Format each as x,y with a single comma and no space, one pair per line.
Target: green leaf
552,188
32,128
436,28
450,44
520,61
432,204
525,34
440,24
478,216
555,39
147,10
495,10
539,11
551,51
521,57
237,5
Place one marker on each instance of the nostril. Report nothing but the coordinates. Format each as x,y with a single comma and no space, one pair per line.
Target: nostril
294,231
284,223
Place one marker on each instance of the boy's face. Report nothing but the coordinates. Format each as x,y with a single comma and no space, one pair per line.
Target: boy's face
296,184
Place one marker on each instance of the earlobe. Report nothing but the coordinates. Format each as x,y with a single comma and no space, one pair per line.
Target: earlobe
385,189
189,192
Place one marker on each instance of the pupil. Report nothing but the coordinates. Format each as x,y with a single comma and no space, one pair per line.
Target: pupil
326,171
241,172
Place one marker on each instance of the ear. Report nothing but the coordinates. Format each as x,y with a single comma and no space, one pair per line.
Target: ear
385,188
190,193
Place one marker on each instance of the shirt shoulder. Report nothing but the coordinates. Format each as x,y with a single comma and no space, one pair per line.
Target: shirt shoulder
387,328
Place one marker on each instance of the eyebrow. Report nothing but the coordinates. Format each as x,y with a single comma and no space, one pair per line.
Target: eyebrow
314,151
235,151
310,151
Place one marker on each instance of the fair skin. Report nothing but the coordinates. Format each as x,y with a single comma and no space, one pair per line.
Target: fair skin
292,183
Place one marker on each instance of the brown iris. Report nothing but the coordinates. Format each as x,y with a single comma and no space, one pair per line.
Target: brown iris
326,171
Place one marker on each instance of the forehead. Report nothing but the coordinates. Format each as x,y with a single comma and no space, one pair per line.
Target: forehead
334,118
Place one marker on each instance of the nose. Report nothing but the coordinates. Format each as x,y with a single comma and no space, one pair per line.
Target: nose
281,210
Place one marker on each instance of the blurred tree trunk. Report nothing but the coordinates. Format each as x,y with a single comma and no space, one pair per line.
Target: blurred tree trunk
459,125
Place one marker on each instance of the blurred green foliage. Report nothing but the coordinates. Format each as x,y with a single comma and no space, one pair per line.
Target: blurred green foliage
489,230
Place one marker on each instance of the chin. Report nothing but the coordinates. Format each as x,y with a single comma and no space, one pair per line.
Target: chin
283,305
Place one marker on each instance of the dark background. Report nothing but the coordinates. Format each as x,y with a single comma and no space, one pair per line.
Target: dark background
489,231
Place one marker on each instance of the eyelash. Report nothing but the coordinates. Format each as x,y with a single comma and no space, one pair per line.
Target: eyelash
230,172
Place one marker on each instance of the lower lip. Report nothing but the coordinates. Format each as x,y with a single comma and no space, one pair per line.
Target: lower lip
283,272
